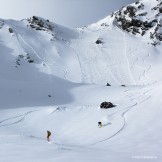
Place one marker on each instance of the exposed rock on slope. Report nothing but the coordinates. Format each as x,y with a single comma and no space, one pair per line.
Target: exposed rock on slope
40,24
139,18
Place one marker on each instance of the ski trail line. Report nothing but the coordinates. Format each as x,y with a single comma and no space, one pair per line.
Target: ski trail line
81,69
17,121
122,115
134,99
125,51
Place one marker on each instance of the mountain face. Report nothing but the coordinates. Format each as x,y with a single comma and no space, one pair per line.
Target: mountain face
122,49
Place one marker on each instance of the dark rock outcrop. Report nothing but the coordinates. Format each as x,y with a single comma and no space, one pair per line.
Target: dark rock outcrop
99,41
40,24
106,105
1,24
23,57
10,30
108,84
134,20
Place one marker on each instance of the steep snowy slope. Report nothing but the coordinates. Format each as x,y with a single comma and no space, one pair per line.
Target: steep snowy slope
54,78
135,32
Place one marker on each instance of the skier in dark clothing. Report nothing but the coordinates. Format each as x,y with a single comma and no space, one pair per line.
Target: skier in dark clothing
100,124
48,135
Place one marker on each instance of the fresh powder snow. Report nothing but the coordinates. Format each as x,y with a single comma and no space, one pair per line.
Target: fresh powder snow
55,78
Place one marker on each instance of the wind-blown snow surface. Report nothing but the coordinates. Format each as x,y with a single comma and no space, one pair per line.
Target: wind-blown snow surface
53,78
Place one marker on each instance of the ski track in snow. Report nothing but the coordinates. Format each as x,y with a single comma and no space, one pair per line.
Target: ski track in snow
133,99
126,110
22,117
147,68
26,46
143,76
62,146
74,147
80,64
125,46
135,64
74,51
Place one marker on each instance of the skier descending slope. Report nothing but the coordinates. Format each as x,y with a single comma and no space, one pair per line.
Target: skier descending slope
48,135
99,124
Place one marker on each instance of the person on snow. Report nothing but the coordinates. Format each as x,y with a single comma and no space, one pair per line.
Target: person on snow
100,124
48,135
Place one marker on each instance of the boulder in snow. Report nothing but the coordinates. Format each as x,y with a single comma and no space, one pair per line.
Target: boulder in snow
10,30
160,9
106,105
108,84
99,41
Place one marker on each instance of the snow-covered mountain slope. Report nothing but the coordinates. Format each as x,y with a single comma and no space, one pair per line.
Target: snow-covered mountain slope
111,50
54,78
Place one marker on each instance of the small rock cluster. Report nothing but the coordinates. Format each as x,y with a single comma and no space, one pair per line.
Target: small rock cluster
99,41
1,24
22,57
156,35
